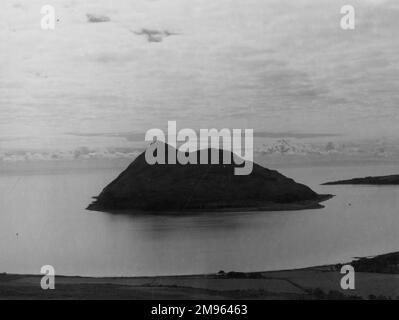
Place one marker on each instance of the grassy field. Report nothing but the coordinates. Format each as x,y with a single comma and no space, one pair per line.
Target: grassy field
378,279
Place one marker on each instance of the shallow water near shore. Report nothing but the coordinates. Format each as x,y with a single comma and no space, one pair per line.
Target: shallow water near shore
43,221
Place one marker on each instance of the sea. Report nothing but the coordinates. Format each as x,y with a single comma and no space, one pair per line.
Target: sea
43,221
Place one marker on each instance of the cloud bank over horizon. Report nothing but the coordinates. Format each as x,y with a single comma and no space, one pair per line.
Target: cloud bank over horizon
274,66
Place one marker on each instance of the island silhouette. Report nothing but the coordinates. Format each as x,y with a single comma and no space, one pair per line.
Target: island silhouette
202,187
378,180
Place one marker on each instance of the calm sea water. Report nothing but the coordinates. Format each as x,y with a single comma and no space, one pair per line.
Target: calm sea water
43,221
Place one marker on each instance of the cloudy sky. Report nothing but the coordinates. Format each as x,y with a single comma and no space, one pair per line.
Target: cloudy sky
270,65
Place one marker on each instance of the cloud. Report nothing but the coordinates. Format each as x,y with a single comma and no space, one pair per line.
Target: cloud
271,65
134,137
296,135
140,137
80,153
153,35
97,18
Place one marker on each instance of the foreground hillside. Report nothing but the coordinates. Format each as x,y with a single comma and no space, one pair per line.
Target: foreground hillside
376,278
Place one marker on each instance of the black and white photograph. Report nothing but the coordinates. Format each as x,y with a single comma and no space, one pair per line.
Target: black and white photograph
200,150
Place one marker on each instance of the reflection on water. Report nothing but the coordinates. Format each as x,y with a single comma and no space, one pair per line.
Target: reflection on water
43,221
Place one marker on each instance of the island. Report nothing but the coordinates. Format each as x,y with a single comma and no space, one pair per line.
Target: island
202,187
379,180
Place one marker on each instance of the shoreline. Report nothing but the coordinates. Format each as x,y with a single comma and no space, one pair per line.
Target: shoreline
376,277
302,205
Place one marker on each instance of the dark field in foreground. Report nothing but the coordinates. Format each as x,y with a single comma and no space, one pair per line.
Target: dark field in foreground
376,278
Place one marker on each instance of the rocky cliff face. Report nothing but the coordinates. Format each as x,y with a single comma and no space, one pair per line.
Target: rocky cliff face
176,187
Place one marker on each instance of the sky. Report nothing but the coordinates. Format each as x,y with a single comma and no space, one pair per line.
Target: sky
270,65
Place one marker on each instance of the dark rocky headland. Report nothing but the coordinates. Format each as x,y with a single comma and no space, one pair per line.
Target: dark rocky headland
381,180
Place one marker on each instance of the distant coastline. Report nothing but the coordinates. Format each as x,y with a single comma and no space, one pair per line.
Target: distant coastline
378,180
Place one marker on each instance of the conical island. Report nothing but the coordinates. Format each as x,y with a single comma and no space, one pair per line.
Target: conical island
203,187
